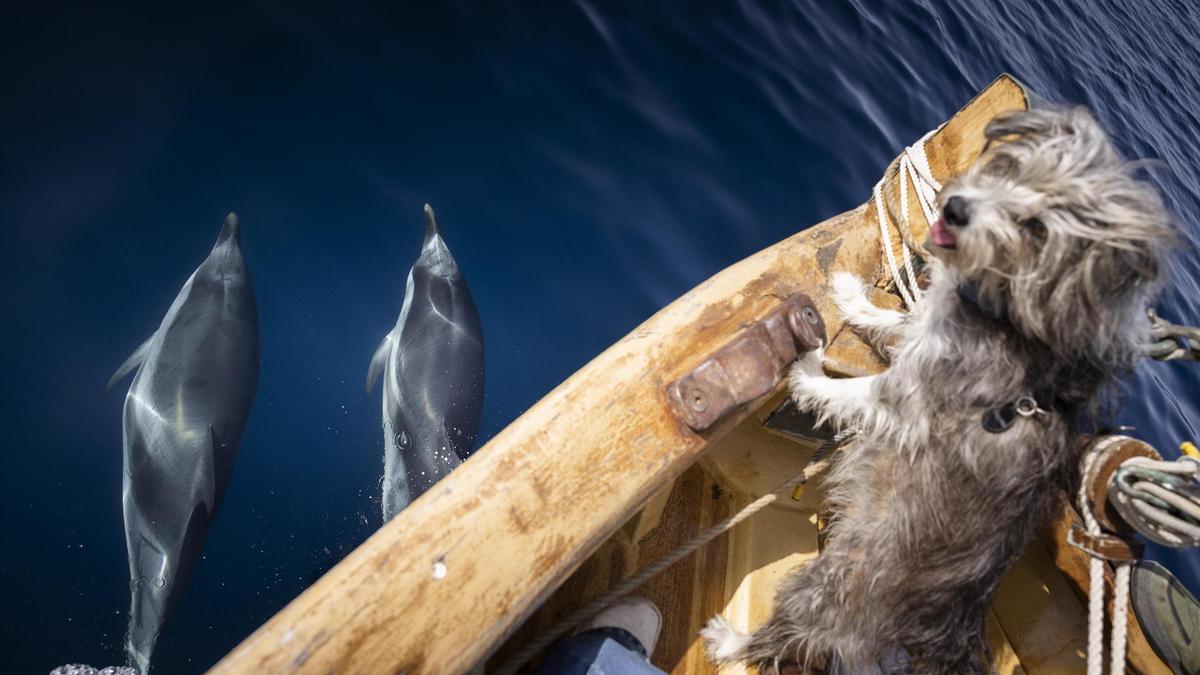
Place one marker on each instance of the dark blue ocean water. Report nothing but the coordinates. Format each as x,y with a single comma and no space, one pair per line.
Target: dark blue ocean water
589,161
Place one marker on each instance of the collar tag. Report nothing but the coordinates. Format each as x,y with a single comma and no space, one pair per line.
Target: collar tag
999,420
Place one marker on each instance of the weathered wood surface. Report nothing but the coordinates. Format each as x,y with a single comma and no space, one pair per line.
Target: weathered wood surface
531,506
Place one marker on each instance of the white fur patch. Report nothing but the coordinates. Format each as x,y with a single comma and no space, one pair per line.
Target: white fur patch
810,364
879,324
723,642
848,292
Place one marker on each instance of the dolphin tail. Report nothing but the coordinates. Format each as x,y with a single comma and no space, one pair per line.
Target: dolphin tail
379,361
135,359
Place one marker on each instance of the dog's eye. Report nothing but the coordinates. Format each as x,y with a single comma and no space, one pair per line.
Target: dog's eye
1035,228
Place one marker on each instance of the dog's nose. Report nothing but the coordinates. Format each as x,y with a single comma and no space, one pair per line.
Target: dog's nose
955,212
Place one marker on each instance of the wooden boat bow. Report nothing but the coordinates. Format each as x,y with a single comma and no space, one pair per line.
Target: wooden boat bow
443,585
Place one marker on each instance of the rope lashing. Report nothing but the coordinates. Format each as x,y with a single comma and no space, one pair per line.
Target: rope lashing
1170,341
533,648
914,166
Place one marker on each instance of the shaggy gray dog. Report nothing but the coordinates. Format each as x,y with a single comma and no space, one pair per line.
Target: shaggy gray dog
1047,252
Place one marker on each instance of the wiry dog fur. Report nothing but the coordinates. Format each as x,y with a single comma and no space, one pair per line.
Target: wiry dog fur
1061,251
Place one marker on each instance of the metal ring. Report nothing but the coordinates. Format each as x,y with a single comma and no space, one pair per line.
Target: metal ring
1026,406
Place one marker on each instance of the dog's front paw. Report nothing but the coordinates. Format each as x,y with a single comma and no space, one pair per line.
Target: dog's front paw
810,364
723,642
849,294
805,378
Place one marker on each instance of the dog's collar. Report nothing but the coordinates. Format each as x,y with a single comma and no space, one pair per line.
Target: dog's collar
1001,418
1040,402
968,292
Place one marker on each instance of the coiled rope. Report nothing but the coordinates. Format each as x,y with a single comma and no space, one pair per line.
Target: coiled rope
914,166
531,649
1120,618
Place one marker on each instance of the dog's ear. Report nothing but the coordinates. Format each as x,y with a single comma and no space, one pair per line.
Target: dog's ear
1105,323
1133,232
1113,269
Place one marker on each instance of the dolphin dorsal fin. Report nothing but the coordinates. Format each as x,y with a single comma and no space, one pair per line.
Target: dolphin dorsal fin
135,359
379,361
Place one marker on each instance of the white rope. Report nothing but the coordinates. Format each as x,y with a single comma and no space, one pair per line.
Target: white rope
914,166
522,656
1120,619
901,285
1095,653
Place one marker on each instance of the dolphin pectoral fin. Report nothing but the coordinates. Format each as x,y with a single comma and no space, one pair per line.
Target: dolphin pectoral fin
379,361
135,359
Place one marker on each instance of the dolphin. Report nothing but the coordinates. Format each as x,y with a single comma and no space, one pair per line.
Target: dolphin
183,419
432,368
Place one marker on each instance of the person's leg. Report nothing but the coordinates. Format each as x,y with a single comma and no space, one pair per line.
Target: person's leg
600,651
617,641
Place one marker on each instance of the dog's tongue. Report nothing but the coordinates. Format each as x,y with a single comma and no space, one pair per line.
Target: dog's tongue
941,236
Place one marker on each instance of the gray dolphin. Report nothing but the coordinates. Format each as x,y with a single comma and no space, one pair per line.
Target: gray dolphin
432,367
184,417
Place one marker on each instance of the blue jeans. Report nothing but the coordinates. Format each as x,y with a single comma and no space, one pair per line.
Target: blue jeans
600,651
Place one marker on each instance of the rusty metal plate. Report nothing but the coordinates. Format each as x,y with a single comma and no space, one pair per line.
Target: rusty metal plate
750,365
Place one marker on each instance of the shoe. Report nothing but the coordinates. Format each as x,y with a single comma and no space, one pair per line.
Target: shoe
1168,614
634,614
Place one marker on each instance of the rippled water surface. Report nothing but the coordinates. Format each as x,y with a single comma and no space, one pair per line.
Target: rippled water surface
589,162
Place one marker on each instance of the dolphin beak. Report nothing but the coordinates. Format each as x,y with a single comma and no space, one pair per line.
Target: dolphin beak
231,229
431,224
